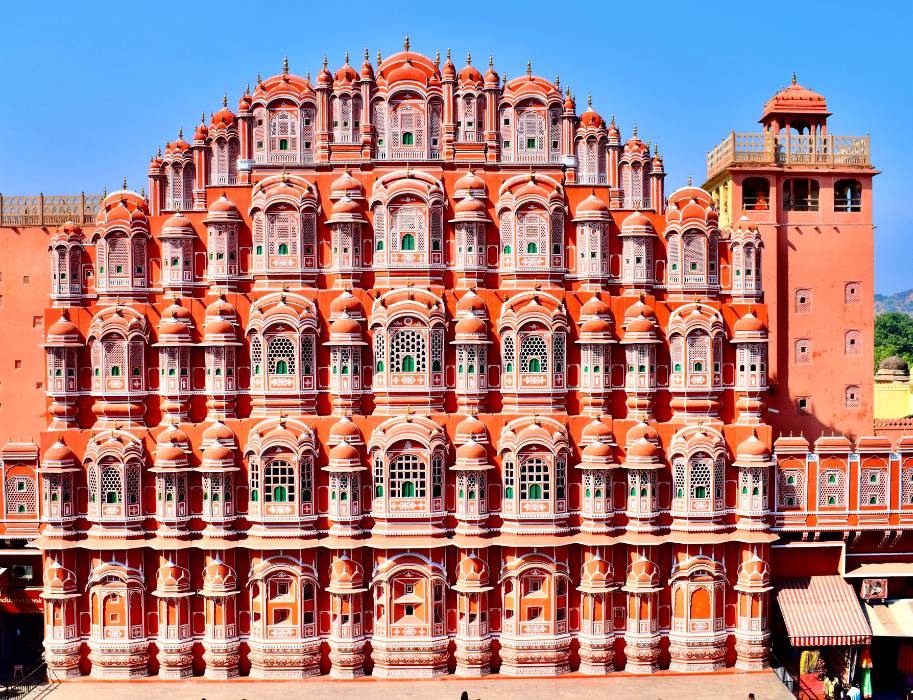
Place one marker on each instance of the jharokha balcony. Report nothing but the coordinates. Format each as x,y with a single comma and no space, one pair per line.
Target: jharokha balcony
788,148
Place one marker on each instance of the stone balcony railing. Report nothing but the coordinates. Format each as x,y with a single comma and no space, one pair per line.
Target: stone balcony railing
49,210
788,149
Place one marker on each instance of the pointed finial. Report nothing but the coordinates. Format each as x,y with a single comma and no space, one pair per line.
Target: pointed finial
225,99
613,120
468,58
794,77
558,81
142,192
307,76
567,90
325,62
347,57
635,131
367,56
689,181
181,133
406,43
259,79
247,89
378,57
437,58
285,66
158,152
125,183
529,69
202,117
104,194
655,149
589,100
491,62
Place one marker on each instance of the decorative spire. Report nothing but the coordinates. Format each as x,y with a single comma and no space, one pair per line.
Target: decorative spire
794,77
367,56
491,62
247,89
158,152
125,183
689,181
202,117
181,133
656,149
529,70
259,79
307,77
567,90
558,81
589,101
347,57
406,43
325,62
468,59
225,99
378,58
635,131
285,66
437,58
613,120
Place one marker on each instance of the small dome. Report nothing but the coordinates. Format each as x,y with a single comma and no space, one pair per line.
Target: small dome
59,454
641,430
470,205
346,206
640,308
223,209
596,574
345,430
470,302
344,452
170,455
592,205
597,451
345,326
177,224
596,326
595,307
752,448
469,76
470,182
346,185
219,432
63,329
172,578
471,428
637,222
346,574
218,577
218,456
59,580
596,430
472,572
471,326
894,362
471,451
749,323
642,449
346,303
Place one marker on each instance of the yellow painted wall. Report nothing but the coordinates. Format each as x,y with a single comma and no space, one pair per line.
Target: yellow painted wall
893,400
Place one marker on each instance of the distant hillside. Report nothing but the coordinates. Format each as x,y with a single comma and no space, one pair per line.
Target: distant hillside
901,301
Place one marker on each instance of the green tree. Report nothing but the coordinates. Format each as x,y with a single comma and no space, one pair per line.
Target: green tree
893,336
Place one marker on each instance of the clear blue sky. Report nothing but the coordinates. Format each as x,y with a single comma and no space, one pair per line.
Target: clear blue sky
92,89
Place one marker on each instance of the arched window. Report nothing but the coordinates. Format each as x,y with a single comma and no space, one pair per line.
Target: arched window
279,482
407,242
847,196
800,194
407,477
533,354
408,351
534,479
281,356
756,194
408,138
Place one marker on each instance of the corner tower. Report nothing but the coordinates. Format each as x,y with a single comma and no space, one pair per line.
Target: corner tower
810,194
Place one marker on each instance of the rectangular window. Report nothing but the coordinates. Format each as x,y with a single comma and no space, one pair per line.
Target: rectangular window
803,403
803,301
852,293
803,351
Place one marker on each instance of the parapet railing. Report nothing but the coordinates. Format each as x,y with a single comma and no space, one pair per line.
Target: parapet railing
785,149
49,210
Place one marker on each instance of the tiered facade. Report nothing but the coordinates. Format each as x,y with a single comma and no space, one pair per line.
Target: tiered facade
409,371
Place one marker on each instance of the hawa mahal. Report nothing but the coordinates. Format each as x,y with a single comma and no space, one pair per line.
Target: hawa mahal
415,369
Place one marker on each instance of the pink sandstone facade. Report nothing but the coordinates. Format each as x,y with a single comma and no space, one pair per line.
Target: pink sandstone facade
413,370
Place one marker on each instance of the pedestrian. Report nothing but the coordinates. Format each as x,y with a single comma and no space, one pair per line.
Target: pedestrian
854,692
464,695
830,686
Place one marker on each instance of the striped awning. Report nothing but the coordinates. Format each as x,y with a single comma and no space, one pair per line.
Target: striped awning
821,611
